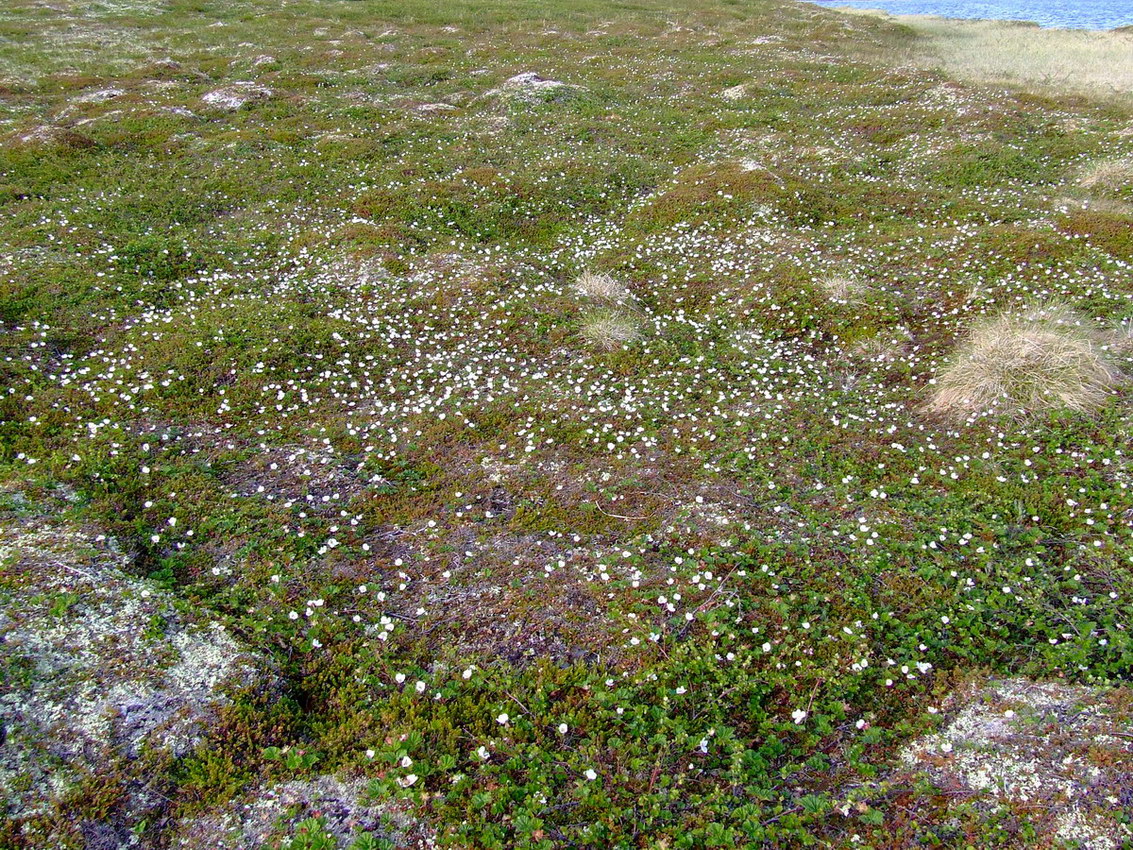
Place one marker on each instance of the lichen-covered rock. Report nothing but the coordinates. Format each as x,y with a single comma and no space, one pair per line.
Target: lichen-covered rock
100,95
100,669
236,96
49,136
1064,751
532,88
273,812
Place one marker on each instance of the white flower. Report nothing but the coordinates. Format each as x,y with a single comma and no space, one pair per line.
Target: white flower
370,754
406,761
408,780
503,719
798,715
467,674
399,678
591,775
420,687
482,751
563,728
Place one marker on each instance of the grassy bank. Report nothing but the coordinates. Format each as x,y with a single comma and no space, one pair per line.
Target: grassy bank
1050,61
549,394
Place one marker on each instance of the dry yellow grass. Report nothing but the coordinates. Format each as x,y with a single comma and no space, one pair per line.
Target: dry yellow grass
1054,61
1111,175
843,289
1095,204
1048,357
610,330
602,287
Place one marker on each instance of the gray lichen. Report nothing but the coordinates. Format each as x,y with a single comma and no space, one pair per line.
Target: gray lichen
271,812
1047,747
100,666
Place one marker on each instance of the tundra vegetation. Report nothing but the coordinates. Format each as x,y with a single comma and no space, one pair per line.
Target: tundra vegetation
556,424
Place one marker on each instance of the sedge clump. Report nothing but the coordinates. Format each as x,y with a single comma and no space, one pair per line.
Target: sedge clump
1046,358
602,287
610,330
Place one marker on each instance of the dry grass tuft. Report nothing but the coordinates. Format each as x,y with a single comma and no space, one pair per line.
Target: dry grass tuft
1047,358
610,330
1112,174
1121,339
883,348
1108,206
602,287
843,289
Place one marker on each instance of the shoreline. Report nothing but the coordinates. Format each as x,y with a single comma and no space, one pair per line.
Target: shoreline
1024,23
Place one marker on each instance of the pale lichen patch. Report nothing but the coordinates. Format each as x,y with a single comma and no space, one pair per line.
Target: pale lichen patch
236,96
272,811
531,88
102,667
1057,749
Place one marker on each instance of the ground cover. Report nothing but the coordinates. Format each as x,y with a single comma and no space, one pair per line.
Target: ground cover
541,397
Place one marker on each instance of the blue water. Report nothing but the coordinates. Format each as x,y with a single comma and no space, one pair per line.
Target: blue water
1071,14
